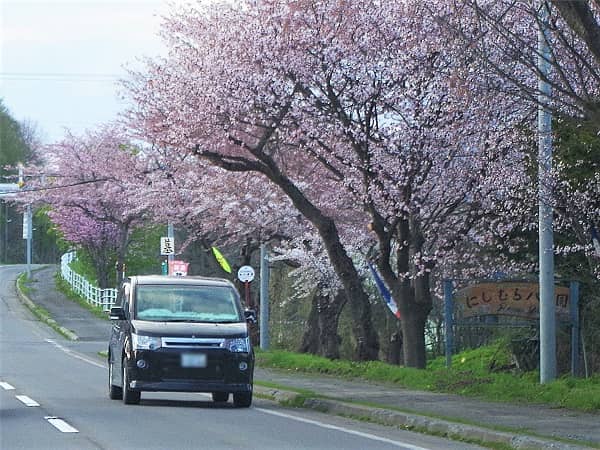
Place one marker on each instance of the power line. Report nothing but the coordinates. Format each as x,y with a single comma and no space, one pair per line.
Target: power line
60,76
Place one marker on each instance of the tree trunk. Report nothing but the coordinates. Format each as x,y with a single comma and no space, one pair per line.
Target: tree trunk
416,306
366,337
321,337
413,298
413,328
121,252
103,276
395,353
367,341
99,260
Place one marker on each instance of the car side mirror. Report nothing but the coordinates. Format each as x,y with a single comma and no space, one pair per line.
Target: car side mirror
250,315
117,313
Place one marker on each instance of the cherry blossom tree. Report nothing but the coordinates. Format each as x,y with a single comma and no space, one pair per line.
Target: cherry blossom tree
93,183
503,35
231,128
229,208
364,101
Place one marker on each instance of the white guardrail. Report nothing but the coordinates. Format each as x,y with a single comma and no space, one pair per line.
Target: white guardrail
104,298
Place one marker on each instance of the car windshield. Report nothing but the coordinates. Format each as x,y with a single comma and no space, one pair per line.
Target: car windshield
169,303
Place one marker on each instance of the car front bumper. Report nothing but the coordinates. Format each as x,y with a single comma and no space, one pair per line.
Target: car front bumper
190,386
163,372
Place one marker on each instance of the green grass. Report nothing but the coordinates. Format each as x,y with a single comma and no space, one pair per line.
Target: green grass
469,376
38,311
23,284
65,288
84,267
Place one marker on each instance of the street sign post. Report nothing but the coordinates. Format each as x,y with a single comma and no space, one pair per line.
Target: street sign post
246,275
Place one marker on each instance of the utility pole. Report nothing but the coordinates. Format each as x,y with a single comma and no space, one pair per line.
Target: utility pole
6,222
171,235
264,297
546,236
27,224
28,234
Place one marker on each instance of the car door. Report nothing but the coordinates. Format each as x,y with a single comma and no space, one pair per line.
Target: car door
120,329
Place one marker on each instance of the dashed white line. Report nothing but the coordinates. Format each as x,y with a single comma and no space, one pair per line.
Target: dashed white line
61,425
6,386
343,430
27,401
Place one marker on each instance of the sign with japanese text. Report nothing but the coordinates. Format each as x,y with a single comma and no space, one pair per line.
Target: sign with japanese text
508,299
167,246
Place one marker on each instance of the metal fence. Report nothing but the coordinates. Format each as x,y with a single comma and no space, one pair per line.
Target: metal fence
103,298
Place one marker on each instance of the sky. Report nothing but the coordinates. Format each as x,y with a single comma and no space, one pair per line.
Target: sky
60,61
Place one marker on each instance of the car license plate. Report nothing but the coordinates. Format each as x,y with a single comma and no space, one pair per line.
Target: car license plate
193,360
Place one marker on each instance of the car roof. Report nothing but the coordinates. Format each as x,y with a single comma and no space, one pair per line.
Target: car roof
180,281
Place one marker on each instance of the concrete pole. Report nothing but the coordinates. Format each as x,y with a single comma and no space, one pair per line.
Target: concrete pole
29,235
448,321
6,222
171,234
264,297
575,325
546,236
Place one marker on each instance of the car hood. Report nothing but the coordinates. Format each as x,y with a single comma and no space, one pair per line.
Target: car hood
190,329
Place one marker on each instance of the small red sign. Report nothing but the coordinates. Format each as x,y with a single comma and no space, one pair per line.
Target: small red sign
178,268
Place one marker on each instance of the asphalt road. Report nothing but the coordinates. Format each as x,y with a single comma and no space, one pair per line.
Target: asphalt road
53,396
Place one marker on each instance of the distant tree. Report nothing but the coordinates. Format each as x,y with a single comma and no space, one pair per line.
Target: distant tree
16,143
92,183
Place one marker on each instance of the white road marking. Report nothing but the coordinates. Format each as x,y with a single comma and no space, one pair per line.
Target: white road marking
61,425
74,355
342,429
27,401
6,386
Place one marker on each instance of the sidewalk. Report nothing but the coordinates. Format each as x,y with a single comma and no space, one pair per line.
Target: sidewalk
525,427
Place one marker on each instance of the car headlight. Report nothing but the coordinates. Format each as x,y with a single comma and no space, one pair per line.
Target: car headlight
237,345
141,342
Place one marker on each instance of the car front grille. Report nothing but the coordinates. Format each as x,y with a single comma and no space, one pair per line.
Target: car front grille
175,342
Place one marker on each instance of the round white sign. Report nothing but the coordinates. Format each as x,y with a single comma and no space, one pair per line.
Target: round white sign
245,274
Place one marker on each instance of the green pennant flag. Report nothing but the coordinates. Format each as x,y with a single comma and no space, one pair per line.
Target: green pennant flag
221,260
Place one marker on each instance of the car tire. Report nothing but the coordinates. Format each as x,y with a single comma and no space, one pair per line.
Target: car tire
242,399
220,396
130,396
114,392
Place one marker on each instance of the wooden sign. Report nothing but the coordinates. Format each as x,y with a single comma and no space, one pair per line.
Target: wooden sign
508,299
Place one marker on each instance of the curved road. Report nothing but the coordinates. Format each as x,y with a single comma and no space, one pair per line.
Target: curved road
53,396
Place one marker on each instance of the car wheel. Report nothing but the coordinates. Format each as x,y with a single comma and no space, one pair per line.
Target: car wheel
242,399
114,392
220,396
130,396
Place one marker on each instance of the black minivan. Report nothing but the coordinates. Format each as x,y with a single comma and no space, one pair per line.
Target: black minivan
180,334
